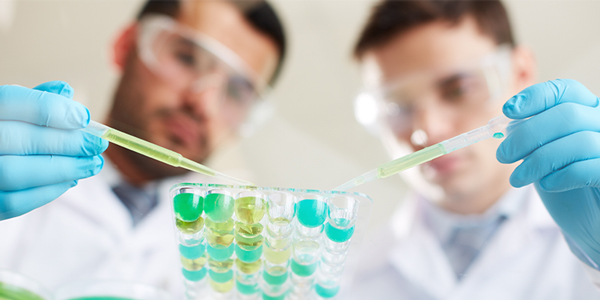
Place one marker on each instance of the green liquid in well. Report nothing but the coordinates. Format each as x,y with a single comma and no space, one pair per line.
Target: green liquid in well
222,228
311,212
193,264
188,207
248,231
221,287
277,256
190,227
498,135
12,292
250,210
219,207
411,160
248,268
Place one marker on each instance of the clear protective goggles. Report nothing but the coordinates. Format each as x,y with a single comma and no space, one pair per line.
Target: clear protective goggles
459,91
185,57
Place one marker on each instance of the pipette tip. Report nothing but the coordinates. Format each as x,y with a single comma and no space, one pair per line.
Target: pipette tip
233,179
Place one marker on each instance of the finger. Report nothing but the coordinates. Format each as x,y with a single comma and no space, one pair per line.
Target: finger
556,155
20,138
22,172
542,96
550,125
57,87
13,204
18,103
574,176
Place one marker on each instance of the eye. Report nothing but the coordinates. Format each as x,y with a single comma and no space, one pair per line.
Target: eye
239,89
186,59
456,88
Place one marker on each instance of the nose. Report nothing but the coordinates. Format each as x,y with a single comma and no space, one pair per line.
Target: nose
432,124
202,101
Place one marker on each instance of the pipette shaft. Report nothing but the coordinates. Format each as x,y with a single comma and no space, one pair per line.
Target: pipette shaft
154,151
497,127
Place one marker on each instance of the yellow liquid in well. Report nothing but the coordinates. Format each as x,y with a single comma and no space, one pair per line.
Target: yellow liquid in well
190,227
222,228
249,210
193,264
248,268
220,266
277,256
219,241
248,231
221,287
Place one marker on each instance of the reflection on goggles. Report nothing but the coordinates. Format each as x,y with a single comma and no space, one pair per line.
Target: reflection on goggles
185,57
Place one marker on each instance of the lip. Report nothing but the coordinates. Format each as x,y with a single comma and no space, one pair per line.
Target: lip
445,165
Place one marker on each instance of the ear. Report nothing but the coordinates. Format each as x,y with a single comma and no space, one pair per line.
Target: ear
124,44
524,68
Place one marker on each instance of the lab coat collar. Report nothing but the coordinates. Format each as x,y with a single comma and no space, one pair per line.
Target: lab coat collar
428,266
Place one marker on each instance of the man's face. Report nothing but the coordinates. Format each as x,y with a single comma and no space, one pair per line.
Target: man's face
172,111
432,48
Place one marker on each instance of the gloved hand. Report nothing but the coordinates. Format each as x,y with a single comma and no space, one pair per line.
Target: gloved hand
41,155
560,148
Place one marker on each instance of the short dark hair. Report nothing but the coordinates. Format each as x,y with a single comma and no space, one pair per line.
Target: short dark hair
259,13
392,17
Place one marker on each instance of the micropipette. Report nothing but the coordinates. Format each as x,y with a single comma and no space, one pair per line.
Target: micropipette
497,127
154,151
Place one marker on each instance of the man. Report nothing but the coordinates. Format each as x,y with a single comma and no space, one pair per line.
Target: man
441,68
191,70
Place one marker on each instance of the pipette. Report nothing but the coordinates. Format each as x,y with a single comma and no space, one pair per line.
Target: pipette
497,127
154,151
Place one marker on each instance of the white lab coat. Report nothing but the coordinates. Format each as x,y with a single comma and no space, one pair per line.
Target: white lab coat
527,258
87,233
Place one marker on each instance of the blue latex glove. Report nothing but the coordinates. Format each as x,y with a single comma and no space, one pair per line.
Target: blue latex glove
41,155
560,148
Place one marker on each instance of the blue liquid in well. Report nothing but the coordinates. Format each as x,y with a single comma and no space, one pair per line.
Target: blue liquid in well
303,270
312,213
248,256
192,252
275,279
326,292
220,254
339,235
194,275
246,289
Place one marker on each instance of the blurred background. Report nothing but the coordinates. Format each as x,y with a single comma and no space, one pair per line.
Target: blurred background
312,140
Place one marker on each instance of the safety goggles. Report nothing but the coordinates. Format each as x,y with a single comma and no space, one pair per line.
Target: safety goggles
185,57
459,91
